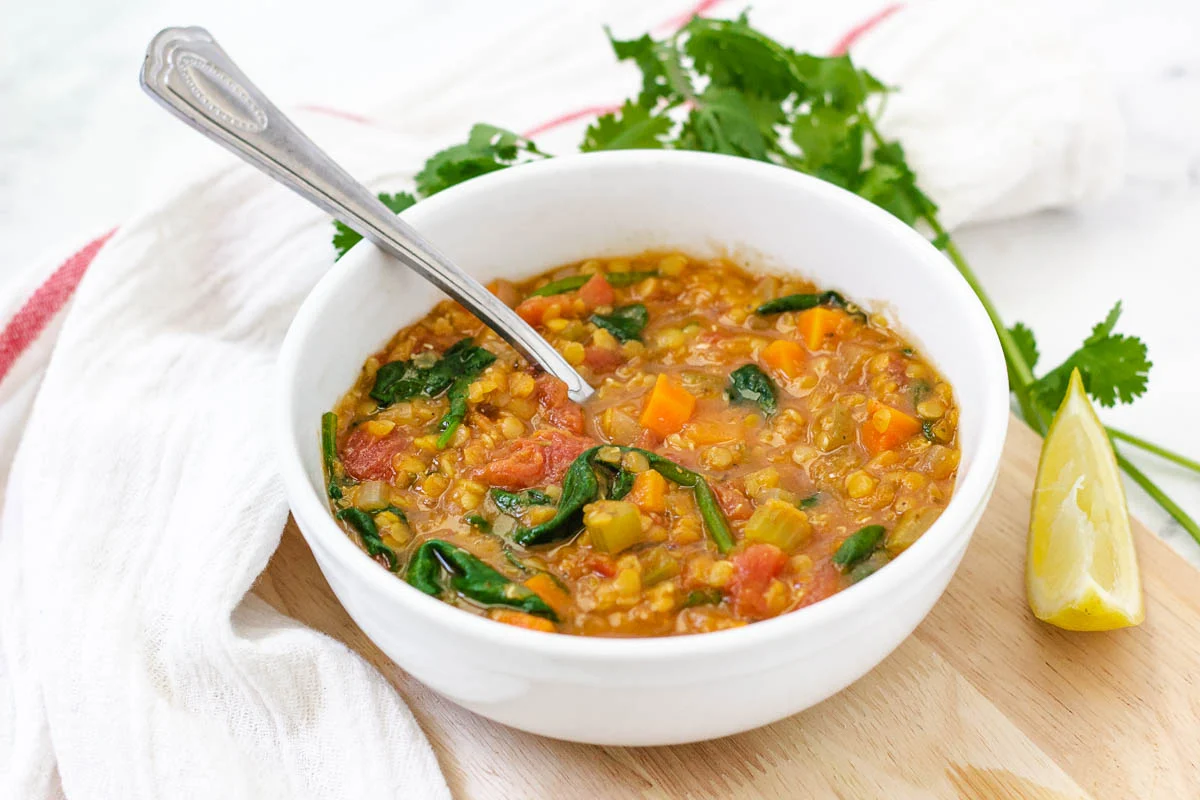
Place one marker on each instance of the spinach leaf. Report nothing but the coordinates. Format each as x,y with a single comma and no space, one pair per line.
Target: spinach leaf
622,279
803,302
572,283
621,484
362,522
858,546
470,577
479,522
750,385
329,423
703,597
514,503
581,486
561,286
457,412
404,380
625,323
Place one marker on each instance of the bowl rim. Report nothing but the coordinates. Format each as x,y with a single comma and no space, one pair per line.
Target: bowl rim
936,544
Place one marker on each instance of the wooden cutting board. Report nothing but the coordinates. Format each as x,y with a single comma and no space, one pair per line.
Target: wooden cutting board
982,701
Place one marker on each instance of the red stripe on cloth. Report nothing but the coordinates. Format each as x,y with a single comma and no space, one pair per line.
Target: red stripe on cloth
679,21
855,33
563,119
28,323
339,113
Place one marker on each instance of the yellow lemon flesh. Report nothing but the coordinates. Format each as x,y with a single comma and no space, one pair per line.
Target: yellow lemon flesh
1082,571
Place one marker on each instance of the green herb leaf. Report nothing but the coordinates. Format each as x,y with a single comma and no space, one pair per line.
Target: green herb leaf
810,501
620,280
802,302
581,486
561,286
362,522
344,237
479,522
1114,368
749,385
513,503
1026,343
329,455
625,323
487,149
703,597
858,546
471,578
633,127
404,380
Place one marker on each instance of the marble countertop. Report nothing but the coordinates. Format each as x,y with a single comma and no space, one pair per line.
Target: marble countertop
81,149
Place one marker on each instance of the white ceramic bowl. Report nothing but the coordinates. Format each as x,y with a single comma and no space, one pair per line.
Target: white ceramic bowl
519,222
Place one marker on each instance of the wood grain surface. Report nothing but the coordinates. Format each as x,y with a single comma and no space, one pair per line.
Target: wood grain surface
981,702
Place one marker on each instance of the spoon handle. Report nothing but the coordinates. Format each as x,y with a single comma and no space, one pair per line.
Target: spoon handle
193,78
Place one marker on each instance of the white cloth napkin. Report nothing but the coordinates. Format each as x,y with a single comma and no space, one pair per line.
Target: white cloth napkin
142,502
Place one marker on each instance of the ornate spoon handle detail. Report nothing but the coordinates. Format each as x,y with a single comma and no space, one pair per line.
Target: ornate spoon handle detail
193,78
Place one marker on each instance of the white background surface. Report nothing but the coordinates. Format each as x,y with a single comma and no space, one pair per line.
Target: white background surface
81,149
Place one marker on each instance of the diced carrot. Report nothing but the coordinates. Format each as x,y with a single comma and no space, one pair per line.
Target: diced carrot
886,428
668,408
818,325
555,596
785,357
521,620
597,292
649,491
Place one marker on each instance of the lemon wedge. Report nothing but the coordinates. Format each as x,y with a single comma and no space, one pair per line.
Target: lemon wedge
1082,570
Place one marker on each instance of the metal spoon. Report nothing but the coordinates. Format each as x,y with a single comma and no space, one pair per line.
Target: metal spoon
194,79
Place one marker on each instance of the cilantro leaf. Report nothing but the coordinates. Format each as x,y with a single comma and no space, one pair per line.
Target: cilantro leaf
344,237
733,55
892,186
633,127
723,122
487,149
1026,343
663,73
1114,368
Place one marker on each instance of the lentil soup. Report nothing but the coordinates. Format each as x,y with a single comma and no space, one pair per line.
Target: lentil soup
754,445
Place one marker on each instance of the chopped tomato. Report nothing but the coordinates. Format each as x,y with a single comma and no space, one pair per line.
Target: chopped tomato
369,458
601,360
560,449
753,570
557,408
601,564
733,501
533,460
826,580
597,292
533,309
519,464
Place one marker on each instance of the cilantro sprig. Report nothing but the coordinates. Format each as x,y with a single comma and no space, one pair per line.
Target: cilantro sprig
722,86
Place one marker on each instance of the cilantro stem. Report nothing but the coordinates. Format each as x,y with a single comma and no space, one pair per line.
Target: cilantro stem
1160,497
1020,369
1150,447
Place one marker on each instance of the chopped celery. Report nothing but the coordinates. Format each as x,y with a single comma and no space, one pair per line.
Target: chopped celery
614,525
779,523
